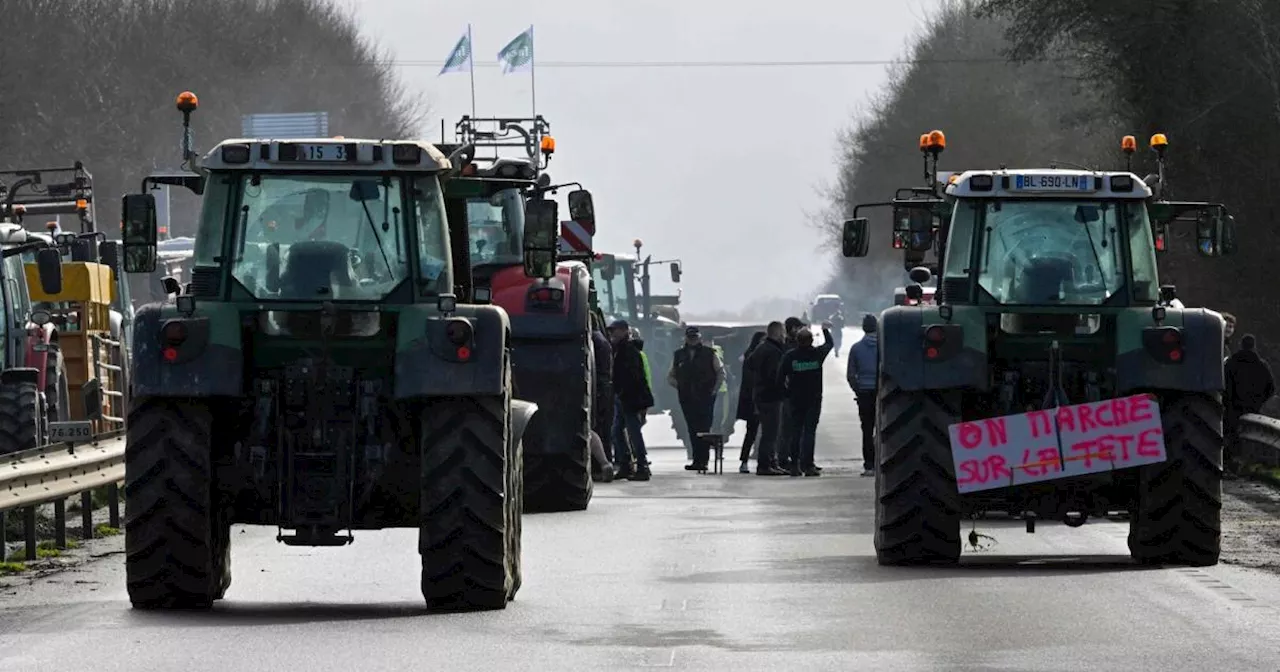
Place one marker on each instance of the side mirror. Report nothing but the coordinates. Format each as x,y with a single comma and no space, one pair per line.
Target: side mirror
675,271
49,268
1228,235
920,275
541,237
853,237
608,269
582,209
917,224
91,391
139,238
1207,234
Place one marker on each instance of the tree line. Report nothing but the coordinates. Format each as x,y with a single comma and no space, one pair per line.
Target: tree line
96,81
1031,82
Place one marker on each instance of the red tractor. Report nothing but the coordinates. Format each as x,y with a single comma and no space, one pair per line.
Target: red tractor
545,293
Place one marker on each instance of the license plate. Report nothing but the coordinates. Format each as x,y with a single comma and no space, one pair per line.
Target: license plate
322,153
1053,183
72,431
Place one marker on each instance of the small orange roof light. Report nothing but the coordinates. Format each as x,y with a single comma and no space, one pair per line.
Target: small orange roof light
82,204
924,141
51,225
1158,141
548,145
937,140
187,101
1129,144
953,179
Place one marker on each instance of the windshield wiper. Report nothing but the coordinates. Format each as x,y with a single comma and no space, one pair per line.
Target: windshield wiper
391,274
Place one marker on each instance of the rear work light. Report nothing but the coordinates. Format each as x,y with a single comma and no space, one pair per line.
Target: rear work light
235,153
406,153
981,183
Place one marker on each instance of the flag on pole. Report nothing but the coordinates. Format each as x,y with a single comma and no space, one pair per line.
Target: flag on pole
460,58
517,56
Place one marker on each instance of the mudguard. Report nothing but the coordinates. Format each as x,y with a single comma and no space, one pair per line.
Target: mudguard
1201,369
209,363
521,413
427,364
902,350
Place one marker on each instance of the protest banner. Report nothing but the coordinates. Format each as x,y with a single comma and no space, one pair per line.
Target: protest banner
1057,443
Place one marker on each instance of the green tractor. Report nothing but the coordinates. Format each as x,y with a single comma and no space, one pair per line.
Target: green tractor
1054,377
318,374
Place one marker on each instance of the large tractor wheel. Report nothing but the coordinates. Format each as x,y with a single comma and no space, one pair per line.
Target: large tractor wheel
57,393
177,550
469,535
917,509
20,417
558,478
1179,513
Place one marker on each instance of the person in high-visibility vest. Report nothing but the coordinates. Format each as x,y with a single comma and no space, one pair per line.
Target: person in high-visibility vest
648,375
722,394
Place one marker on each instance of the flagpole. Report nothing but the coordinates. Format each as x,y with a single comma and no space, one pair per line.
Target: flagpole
533,83
471,51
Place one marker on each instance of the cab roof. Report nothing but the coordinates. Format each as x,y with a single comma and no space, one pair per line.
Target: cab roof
326,155
1045,183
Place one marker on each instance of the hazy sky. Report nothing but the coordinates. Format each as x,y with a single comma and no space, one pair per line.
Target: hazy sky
715,165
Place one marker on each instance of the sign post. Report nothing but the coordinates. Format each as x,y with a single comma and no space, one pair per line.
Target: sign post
1057,443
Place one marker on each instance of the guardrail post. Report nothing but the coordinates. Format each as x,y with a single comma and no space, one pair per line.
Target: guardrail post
113,505
60,523
29,531
86,515
4,540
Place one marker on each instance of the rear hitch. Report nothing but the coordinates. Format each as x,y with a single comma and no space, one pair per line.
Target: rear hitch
1030,519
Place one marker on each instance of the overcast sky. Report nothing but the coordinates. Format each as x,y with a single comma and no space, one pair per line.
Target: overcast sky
715,165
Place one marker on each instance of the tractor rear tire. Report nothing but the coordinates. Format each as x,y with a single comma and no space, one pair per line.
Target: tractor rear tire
917,506
57,393
21,415
176,549
470,525
559,480
1178,520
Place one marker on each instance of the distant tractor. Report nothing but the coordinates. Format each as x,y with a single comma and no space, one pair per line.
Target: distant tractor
1054,377
319,374
549,302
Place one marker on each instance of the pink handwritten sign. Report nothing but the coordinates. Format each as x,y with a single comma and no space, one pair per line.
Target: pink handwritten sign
1057,443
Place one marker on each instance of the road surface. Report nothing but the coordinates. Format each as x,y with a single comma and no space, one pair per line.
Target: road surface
730,572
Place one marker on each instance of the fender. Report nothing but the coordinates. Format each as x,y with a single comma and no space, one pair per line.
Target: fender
902,357
1201,369
521,413
426,364
209,363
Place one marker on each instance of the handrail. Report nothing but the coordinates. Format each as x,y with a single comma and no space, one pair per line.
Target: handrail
55,472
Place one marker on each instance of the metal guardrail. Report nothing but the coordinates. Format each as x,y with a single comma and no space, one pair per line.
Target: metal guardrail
1260,440
56,472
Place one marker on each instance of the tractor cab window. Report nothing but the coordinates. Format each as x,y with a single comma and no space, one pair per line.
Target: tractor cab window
333,237
496,225
617,299
1052,251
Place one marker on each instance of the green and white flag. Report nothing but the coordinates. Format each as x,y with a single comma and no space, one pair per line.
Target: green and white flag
460,57
517,56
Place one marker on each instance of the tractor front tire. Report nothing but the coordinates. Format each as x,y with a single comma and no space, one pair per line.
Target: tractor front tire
20,417
176,549
558,477
917,511
470,525
1178,520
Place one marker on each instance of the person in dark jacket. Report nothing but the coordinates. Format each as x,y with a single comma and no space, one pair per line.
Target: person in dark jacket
786,432
1249,384
1228,330
633,398
800,373
696,373
747,405
602,405
768,395
864,367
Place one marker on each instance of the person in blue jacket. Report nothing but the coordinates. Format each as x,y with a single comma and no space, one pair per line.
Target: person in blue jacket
864,368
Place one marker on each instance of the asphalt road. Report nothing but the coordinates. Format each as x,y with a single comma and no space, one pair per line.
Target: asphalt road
684,572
